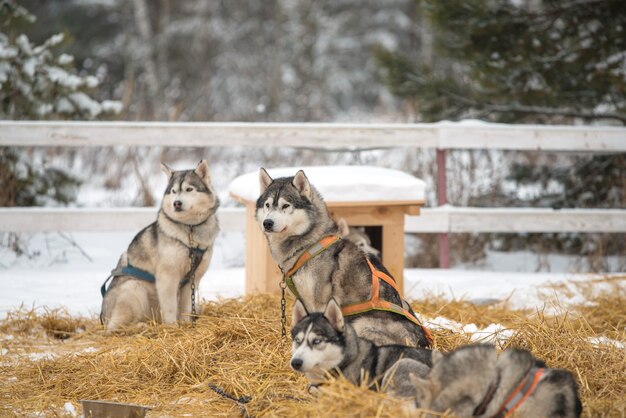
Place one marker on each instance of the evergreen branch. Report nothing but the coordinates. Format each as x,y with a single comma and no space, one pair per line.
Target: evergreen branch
552,111
535,109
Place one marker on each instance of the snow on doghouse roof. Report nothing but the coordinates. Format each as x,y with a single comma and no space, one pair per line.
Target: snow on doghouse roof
341,183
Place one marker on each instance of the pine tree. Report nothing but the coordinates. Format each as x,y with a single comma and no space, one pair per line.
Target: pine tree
37,83
510,61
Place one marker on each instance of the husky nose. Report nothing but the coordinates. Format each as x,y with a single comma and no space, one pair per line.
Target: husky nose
296,363
178,204
268,224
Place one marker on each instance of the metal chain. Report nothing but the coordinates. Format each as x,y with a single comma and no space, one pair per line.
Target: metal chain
283,308
192,261
193,298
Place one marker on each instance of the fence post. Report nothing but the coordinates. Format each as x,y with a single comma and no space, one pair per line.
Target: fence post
442,199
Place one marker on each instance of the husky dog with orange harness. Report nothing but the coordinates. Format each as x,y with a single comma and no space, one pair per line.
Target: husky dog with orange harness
318,265
473,381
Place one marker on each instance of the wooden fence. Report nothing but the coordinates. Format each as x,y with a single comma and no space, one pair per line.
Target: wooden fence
340,137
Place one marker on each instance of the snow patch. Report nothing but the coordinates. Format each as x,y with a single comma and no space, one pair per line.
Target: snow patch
86,103
494,333
63,78
70,409
65,59
342,183
44,355
598,341
112,106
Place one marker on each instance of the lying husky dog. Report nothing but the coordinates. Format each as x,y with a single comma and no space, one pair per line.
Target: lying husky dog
357,236
473,381
324,343
319,265
165,262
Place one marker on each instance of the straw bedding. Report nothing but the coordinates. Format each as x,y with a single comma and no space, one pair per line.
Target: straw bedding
234,362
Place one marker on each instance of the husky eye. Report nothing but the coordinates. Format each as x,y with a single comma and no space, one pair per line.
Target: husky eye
267,205
297,340
173,191
316,341
189,189
286,205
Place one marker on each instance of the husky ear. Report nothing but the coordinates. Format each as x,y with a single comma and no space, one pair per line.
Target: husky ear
302,184
299,312
264,180
344,229
166,170
334,315
202,170
423,390
436,356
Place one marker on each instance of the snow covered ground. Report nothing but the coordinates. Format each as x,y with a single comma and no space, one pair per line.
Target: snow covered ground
67,275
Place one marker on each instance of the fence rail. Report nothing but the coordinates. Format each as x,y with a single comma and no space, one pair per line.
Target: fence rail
443,135
432,220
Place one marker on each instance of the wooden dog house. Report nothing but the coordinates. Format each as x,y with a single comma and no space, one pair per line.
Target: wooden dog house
371,197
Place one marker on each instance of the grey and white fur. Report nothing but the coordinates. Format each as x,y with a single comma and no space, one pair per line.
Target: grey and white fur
185,220
293,216
324,343
474,377
358,236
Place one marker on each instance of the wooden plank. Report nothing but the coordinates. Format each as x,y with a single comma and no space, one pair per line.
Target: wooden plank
428,222
537,220
515,220
431,220
393,252
442,135
36,219
372,216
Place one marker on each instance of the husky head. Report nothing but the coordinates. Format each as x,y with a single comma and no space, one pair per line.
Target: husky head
357,236
189,197
285,207
318,338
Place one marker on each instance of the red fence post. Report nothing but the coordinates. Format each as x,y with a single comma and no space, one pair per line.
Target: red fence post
442,199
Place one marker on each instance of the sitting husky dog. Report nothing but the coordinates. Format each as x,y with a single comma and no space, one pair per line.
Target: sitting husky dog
295,220
154,277
323,342
358,236
472,381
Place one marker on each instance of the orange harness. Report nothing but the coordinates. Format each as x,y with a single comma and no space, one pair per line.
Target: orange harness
375,303
525,388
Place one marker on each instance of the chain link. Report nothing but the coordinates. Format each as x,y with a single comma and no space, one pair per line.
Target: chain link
192,262
193,299
283,308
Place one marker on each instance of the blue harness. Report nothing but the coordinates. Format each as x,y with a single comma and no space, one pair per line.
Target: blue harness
195,254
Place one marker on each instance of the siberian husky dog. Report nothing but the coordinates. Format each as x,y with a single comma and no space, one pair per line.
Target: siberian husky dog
294,217
154,277
324,343
472,381
357,236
